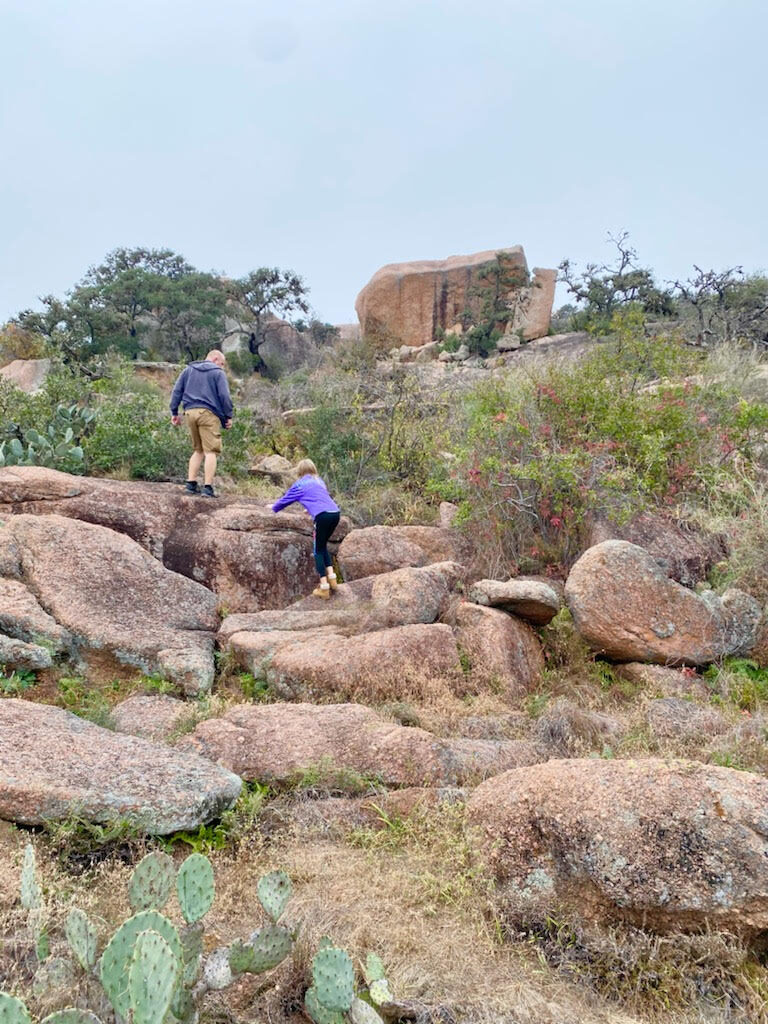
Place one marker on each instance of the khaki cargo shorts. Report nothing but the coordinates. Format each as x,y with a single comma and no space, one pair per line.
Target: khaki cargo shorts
205,429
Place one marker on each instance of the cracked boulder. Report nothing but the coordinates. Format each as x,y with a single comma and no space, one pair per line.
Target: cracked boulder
626,607
94,597
54,764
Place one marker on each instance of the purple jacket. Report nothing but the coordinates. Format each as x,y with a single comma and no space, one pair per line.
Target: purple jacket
311,492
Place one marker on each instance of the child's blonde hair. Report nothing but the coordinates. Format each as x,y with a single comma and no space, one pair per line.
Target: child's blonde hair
305,467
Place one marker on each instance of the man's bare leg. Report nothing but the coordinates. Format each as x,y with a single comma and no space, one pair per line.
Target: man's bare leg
210,468
194,465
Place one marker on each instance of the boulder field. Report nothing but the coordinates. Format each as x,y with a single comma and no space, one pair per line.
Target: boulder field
107,578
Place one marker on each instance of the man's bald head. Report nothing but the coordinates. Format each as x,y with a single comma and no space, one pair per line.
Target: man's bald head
215,356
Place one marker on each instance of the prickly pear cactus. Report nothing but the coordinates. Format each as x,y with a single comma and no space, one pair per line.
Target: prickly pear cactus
363,1013
71,1016
334,978
116,959
12,1010
265,949
82,939
152,882
274,891
152,978
195,887
31,896
318,1013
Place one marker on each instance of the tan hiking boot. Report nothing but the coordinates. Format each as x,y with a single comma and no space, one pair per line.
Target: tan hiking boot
333,582
324,592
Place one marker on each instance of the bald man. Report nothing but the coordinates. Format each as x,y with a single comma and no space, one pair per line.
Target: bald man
203,390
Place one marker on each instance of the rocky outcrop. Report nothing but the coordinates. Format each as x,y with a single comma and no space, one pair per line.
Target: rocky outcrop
408,303
54,765
27,374
379,638
534,600
626,607
378,549
99,599
667,846
283,743
250,557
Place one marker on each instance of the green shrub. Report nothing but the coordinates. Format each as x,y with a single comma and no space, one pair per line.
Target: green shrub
542,455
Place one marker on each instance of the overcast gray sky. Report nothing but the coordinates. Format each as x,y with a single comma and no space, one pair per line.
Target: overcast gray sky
333,136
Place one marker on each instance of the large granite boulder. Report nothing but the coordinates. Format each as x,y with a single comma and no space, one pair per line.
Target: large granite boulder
408,303
663,845
54,765
626,607
237,547
97,598
281,743
687,554
28,375
378,549
498,649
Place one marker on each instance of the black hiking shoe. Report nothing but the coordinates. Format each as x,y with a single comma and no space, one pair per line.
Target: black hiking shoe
191,487
207,492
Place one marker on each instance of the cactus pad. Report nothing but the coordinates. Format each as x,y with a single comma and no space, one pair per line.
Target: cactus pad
192,945
82,939
31,896
363,1013
318,1013
152,881
12,1010
116,958
373,969
195,887
152,979
380,992
334,978
265,949
217,973
71,1016
274,892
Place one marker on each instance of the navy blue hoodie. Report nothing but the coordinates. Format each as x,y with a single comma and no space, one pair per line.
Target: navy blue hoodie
203,385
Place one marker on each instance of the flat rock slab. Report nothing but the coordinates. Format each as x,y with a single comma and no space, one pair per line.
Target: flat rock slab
626,607
663,845
54,765
283,743
102,600
534,600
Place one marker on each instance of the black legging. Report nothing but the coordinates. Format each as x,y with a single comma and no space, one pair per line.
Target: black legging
325,524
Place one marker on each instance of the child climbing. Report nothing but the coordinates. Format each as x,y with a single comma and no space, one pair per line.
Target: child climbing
310,491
